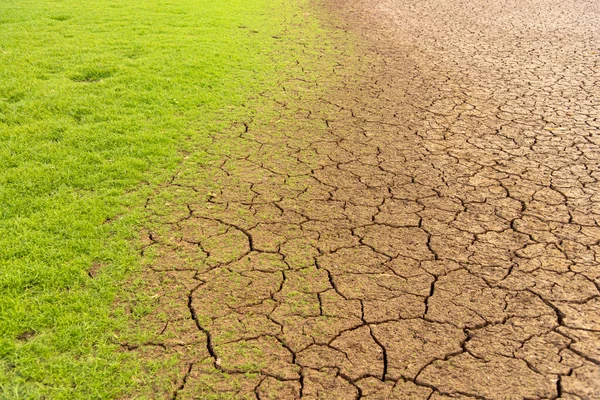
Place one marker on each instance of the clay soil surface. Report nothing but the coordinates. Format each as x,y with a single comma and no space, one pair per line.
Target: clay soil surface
427,230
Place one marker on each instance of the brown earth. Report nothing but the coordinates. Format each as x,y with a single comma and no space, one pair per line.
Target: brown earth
439,238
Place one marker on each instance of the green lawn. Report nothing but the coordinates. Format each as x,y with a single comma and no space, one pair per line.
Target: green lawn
97,101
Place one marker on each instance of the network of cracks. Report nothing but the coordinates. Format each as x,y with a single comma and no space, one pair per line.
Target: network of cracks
427,230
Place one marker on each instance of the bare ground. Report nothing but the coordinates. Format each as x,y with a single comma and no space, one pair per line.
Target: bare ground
427,230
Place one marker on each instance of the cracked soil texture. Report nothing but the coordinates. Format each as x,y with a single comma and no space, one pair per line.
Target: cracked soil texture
437,237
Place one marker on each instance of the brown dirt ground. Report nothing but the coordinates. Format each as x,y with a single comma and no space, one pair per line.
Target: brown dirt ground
427,230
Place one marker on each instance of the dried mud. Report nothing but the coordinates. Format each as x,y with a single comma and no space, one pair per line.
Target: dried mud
427,230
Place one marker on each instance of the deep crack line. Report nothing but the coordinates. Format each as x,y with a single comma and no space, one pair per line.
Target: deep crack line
430,295
384,351
209,344
183,381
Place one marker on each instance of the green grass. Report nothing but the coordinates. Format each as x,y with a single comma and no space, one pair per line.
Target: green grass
97,101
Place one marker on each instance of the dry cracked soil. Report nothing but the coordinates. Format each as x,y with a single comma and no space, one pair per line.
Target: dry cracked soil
426,229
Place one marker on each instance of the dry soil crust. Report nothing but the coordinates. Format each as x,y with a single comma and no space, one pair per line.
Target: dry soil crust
440,239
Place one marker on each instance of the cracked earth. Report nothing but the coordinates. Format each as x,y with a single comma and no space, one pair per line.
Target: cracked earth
427,229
